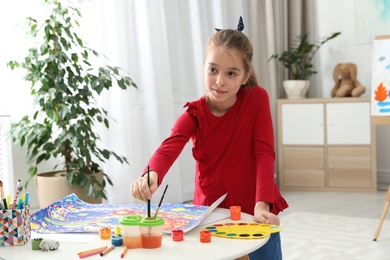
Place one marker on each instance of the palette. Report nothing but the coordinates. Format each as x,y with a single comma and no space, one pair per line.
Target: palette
242,230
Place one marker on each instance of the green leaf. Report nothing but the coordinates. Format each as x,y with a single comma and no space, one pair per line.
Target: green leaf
32,171
106,154
64,82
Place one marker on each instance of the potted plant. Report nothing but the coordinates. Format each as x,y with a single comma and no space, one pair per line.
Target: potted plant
298,61
64,85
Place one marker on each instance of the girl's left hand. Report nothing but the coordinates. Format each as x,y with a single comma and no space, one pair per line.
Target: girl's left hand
263,215
267,217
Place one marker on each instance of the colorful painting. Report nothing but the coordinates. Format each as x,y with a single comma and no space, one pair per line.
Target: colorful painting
380,87
70,214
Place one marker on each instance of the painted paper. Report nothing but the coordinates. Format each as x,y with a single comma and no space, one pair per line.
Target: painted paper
70,214
380,87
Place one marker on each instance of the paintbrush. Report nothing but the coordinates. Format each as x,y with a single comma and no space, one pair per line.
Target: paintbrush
159,204
149,187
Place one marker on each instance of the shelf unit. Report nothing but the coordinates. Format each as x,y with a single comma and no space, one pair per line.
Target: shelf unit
326,144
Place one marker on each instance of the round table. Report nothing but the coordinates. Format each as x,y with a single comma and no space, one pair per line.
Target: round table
190,248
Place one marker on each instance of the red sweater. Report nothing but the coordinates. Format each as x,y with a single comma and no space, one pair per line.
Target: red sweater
234,153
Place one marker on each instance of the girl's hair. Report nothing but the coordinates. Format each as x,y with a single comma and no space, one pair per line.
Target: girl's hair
236,40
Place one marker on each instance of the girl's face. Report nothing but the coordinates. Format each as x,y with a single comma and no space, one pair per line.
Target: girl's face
224,74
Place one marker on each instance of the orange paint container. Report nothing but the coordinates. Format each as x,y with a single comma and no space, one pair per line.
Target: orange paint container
105,233
131,231
235,212
139,232
205,236
151,232
151,241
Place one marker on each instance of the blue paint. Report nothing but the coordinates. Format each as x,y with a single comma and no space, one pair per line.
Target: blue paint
383,104
384,110
231,235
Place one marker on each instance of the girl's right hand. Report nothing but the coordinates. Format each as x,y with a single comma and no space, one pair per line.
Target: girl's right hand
140,188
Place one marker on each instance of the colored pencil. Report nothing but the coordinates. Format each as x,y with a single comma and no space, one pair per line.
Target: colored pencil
9,201
96,252
16,195
27,198
159,204
87,251
107,250
123,252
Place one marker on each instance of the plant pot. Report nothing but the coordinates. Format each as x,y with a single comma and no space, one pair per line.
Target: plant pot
296,89
51,186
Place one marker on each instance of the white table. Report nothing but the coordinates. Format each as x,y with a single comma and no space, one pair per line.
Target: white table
190,248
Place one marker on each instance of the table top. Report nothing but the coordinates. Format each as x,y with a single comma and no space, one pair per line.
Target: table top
189,248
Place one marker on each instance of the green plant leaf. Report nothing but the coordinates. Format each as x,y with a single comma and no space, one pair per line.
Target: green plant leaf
64,83
298,59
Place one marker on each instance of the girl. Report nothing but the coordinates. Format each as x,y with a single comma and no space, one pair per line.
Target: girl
232,134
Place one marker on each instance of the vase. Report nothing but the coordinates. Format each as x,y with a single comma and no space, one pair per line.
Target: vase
296,89
53,186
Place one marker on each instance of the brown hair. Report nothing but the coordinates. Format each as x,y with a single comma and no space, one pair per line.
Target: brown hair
236,40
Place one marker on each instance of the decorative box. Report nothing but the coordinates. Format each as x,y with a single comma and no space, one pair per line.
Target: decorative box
15,226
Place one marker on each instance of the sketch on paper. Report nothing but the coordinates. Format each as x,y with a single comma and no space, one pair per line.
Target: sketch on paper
380,82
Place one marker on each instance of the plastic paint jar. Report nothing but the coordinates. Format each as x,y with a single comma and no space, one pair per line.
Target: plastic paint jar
118,231
205,236
131,234
151,232
235,212
117,240
177,235
35,243
105,233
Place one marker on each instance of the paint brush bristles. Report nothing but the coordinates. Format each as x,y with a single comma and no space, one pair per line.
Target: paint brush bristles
159,204
149,187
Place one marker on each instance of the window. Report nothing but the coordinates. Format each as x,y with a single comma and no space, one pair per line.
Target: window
6,173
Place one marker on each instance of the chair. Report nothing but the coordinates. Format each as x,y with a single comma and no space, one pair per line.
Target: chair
378,229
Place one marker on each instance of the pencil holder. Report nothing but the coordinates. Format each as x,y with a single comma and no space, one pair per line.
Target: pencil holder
15,226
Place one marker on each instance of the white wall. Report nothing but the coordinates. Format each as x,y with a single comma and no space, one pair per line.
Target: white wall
336,15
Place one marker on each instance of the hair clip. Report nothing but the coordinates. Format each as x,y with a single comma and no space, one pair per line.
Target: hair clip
240,26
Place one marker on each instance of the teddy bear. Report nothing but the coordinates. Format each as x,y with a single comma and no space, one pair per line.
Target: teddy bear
347,85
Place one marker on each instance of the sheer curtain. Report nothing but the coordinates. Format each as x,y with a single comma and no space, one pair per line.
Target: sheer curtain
161,44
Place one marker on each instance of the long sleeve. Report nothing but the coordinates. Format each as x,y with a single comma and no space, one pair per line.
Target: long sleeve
264,150
170,148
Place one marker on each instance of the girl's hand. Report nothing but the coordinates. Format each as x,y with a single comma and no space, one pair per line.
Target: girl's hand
263,215
140,188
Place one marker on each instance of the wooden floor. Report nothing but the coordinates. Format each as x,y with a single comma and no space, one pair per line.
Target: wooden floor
357,204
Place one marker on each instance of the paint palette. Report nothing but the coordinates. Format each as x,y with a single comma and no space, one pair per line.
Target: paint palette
242,230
